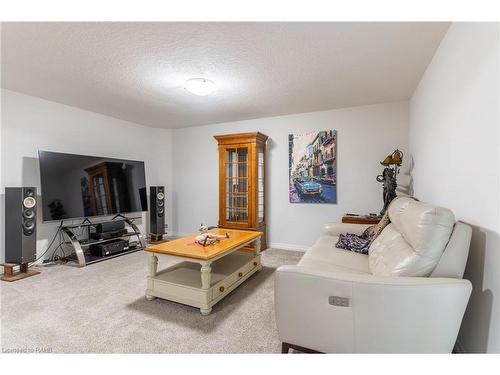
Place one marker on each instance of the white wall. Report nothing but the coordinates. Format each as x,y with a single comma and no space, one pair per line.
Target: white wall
30,124
365,136
454,140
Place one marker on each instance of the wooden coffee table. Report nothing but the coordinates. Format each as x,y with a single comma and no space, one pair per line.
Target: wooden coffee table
223,268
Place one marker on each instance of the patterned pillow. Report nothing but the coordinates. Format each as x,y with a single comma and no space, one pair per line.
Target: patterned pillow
360,244
378,228
353,242
369,232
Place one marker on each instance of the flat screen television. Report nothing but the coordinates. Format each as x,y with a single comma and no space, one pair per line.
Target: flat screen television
77,186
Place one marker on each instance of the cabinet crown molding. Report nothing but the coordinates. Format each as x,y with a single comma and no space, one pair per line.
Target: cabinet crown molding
241,138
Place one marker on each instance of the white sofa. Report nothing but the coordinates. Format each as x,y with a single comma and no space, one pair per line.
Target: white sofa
379,309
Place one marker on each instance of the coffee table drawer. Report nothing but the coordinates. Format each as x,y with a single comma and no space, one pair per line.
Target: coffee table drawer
223,286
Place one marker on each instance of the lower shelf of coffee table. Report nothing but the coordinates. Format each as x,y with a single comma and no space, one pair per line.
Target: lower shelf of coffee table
182,282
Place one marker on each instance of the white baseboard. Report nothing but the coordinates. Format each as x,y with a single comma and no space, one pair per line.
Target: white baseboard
287,246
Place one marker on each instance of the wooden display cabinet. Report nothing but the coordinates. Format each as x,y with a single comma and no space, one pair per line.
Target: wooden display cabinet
242,181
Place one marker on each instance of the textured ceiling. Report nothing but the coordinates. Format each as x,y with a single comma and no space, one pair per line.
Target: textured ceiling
136,71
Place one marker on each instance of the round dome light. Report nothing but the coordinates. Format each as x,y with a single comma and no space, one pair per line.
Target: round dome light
200,86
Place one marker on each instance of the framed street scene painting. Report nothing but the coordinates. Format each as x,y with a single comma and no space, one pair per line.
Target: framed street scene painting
312,167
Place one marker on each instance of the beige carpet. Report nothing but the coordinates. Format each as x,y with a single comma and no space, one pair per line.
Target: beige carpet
101,309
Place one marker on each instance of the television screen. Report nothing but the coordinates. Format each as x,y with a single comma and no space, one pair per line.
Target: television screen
77,186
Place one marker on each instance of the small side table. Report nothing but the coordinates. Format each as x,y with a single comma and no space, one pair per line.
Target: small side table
361,219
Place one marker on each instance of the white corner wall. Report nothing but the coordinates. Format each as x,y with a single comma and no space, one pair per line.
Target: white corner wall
366,135
454,142
29,124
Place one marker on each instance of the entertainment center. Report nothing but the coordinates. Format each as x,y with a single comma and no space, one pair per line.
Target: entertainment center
82,192
88,239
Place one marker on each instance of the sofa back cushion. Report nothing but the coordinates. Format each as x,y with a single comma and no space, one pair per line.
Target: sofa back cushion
412,244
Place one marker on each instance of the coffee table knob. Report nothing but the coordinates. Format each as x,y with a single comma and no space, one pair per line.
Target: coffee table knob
240,274
221,289
255,263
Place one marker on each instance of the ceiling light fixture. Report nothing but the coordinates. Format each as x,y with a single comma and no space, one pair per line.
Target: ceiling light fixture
200,86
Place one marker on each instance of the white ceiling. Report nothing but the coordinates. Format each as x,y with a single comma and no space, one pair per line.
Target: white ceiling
136,71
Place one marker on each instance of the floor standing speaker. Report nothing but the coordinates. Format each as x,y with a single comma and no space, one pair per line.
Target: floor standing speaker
20,231
157,212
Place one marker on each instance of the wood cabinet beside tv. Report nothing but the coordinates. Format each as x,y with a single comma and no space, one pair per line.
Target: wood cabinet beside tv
242,182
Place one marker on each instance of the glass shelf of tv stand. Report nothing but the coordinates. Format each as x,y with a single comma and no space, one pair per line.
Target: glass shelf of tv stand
95,242
81,245
90,224
90,259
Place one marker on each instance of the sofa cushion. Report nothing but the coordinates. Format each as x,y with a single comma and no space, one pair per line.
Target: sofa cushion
414,241
331,267
324,252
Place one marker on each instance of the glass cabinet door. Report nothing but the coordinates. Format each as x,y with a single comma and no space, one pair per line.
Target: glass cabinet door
236,184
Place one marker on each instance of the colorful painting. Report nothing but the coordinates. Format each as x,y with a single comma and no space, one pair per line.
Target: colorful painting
312,168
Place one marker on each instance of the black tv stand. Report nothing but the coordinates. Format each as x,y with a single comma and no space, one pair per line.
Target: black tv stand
80,238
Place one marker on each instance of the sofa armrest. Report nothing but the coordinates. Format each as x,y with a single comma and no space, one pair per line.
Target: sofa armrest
334,229
384,314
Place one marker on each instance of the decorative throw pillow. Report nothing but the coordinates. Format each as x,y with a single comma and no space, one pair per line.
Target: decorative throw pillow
354,242
369,232
378,228
361,243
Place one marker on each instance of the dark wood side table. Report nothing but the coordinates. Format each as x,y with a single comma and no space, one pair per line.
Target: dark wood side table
361,219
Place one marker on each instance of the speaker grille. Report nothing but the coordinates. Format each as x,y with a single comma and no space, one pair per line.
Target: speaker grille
157,213
29,211
20,224
29,202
